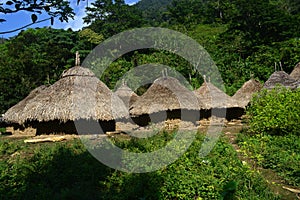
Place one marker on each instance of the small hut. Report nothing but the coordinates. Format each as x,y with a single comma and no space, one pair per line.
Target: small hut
126,94
279,78
244,94
79,96
165,99
295,74
218,101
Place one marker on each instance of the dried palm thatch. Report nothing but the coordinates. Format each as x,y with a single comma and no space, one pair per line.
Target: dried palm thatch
165,94
244,94
295,74
213,97
279,78
77,95
12,113
126,94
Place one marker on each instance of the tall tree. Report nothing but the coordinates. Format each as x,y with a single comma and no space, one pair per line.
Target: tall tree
110,17
260,22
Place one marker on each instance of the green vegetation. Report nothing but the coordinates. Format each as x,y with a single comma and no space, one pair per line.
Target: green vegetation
67,171
244,38
272,139
275,112
279,153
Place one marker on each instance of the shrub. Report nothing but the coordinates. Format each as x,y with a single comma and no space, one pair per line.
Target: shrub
275,112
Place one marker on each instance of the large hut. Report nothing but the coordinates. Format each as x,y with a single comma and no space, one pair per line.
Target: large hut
295,74
216,102
165,99
244,94
126,94
79,96
280,78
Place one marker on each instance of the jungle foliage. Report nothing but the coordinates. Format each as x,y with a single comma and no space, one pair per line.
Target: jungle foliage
244,38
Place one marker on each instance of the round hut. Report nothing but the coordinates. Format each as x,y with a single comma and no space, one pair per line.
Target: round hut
215,99
77,102
279,78
295,74
244,94
165,99
126,94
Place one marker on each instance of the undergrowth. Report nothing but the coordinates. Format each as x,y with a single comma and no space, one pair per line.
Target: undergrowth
66,170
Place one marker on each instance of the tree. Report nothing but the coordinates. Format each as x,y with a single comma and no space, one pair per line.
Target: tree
154,11
54,8
260,22
109,17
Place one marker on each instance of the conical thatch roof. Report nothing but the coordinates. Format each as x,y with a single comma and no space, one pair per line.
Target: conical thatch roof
126,94
165,94
79,94
213,97
244,94
279,77
296,72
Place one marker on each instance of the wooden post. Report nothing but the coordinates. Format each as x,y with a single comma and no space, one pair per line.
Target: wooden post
77,59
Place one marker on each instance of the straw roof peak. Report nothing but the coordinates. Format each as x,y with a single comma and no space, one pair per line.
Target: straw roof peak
279,77
295,74
126,94
213,97
78,71
166,93
244,94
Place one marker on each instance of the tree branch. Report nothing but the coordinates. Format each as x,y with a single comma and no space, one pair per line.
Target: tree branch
5,32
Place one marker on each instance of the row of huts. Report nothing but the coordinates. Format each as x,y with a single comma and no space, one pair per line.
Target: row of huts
79,102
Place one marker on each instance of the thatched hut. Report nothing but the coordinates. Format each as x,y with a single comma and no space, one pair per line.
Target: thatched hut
295,74
279,78
79,96
244,94
218,101
165,99
126,94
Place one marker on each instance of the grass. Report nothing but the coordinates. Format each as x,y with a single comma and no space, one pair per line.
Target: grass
66,170
279,153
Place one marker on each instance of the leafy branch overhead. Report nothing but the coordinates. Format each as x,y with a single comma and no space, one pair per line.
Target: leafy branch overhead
54,8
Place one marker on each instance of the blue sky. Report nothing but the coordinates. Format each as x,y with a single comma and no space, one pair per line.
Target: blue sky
21,18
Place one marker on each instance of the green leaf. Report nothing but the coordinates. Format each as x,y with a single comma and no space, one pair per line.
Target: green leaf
34,18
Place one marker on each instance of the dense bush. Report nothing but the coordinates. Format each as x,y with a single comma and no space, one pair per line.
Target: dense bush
275,112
